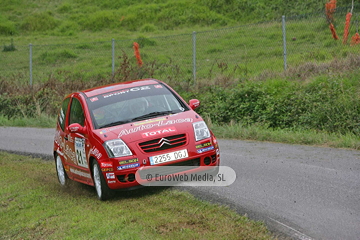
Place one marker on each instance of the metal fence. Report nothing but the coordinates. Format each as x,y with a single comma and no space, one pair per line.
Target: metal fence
241,51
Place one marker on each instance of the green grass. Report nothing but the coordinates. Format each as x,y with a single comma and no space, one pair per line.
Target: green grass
252,49
239,49
33,205
43,121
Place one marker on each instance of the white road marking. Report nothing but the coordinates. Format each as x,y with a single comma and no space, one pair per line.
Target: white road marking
298,234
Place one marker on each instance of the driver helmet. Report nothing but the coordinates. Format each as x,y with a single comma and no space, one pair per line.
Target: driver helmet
99,115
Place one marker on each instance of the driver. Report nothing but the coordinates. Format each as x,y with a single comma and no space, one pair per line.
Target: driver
139,106
99,115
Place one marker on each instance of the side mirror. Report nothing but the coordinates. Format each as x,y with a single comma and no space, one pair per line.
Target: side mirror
77,128
194,103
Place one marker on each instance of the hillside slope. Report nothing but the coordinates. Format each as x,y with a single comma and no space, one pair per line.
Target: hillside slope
63,17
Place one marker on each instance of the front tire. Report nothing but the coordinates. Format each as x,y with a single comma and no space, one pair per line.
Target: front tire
102,190
61,174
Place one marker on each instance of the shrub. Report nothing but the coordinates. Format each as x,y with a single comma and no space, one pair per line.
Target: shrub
100,20
144,41
148,28
64,8
40,22
326,104
67,28
7,28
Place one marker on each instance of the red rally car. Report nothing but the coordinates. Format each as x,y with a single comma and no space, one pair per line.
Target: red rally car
105,134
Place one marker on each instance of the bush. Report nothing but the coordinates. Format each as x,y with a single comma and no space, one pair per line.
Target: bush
144,41
100,20
40,22
327,104
67,28
148,28
7,28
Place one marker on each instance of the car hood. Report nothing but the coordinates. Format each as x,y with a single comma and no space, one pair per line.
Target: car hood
151,128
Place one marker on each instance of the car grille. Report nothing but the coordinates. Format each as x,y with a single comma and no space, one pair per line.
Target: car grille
160,144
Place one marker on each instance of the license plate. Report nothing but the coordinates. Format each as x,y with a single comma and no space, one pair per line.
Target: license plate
167,157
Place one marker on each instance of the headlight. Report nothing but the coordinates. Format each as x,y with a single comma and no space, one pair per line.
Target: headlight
117,148
201,131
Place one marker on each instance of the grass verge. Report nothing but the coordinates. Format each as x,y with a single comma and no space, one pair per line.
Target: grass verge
303,137
42,121
34,206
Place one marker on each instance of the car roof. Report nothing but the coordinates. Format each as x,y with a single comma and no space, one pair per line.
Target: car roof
118,86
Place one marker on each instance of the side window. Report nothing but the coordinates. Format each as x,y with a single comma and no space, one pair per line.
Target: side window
62,113
76,112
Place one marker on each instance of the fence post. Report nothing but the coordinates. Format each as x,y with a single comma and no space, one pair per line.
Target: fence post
194,55
113,56
30,63
284,41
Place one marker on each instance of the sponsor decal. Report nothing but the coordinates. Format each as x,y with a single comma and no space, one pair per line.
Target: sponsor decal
158,86
111,181
157,132
94,99
62,116
110,175
69,153
107,169
80,173
135,89
94,151
74,129
128,166
128,161
152,125
59,140
70,139
203,145
196,104
103,132
205,149
149,121
106,164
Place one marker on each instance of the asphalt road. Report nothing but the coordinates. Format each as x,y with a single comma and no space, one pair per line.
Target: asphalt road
300,191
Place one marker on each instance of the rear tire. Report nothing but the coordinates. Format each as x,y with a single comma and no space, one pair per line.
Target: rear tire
102,190
61,174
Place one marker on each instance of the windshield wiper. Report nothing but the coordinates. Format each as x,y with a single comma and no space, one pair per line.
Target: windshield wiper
114,123
152,114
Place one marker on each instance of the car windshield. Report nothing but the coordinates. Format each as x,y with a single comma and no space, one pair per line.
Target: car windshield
133,104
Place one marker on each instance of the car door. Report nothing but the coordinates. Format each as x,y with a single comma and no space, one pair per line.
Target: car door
60,131
77,144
